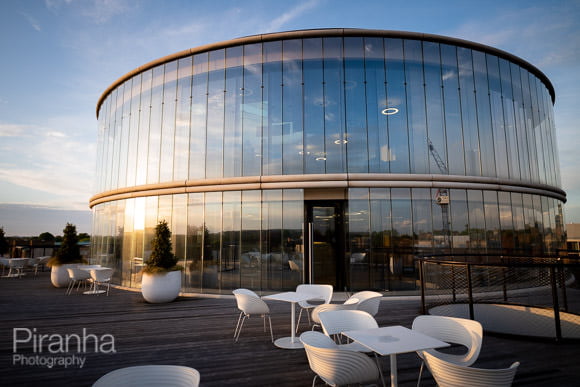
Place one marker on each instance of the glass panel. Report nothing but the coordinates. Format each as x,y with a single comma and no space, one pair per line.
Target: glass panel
398,152
356,105
519,225
233,112
492,225
459,221
144,115
435,113
155,126
416,107
168,124
520,123
196,232
272,153
468,112
314,146
381,239
506,222
378,142
293,236
250,258
271,239
334,126
529,126
484,114
509,116
497,118
456,161
477,242
402,265
230,251
179,227
215,115
182,116
133,139
292,148
359,242
252,111
197,149
422,221
212,242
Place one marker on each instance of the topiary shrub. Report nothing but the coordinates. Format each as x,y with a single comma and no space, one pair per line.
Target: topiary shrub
162,258
69,251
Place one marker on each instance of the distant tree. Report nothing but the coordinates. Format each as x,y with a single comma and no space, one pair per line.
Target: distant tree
4,246
46,237
83,237
69,251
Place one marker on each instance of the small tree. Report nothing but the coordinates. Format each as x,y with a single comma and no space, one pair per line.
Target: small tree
162,258
4,246
69,251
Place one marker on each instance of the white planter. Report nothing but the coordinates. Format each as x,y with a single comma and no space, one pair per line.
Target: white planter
59,275
159,288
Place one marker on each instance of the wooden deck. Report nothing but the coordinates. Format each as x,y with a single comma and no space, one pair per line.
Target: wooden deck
197,332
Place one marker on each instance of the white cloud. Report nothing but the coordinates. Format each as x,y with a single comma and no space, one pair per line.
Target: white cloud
13,130
32,21
292,14
98,11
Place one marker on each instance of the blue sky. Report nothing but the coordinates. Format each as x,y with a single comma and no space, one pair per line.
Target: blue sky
58,56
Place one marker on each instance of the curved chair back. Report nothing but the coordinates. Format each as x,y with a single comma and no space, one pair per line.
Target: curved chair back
369,301
245,291
151,375
334,322
335,366
76,274
323,292
250,303
102,275
350,304
448,374
468,333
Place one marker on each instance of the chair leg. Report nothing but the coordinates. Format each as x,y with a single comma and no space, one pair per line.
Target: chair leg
314,380
420,373
108,287
380,370
299,317
241,326
237,325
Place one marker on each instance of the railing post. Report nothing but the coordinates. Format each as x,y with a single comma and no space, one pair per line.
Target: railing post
470,292
555,302
422,280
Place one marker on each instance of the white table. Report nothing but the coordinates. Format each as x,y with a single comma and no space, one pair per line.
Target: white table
14,263
393,340
292,297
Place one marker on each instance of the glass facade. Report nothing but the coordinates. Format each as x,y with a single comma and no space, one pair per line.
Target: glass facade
347,154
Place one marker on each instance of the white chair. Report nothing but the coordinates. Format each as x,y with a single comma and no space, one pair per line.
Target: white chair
368,301
249,303
335,322
101,277
76,277
448,374
453,330
322,292
350,304
334,365
150,375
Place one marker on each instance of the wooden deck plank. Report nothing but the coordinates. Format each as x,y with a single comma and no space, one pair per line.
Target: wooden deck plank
197,332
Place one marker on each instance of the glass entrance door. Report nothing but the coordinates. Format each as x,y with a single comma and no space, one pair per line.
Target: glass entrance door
326,241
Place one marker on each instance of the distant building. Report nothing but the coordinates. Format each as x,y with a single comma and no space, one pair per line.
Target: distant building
347,152
573,238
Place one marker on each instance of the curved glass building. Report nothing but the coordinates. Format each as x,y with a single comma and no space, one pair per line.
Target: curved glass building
326,156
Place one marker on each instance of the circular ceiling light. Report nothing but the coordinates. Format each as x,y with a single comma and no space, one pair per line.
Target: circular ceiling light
321,158
390,111
338,142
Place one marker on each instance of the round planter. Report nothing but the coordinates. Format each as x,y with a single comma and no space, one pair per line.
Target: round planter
159,288
59,275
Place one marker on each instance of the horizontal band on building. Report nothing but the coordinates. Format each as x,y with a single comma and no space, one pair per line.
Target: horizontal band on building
338,180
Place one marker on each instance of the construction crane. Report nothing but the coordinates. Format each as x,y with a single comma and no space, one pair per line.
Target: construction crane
442,196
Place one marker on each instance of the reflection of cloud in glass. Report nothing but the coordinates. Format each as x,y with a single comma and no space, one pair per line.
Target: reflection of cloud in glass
387,154
449,74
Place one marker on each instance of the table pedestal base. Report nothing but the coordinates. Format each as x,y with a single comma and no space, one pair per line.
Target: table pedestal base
287,343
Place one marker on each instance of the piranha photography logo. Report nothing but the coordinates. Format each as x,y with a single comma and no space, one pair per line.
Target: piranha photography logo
33,349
